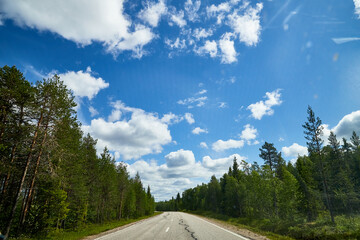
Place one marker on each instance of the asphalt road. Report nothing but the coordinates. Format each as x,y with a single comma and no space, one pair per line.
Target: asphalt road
173,225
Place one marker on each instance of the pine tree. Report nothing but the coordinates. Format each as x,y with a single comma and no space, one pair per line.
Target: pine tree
313,133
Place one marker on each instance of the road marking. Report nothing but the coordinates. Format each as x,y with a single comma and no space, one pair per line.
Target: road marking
167,229
235,234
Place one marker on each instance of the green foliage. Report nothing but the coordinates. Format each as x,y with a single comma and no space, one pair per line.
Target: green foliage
317,197
51,177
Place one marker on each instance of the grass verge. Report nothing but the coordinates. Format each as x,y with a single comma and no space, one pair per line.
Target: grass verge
88,230
239,223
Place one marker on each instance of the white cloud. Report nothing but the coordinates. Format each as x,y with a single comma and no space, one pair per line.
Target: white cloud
294,151
180,158
227,49
191,9
171,118
221,145
134,41
203,91
249,132
82,22
209,47
345,127
153,12
204,145
83,84
198,130
247,24
180,172
139,134
189,118
357,7
220,165
199,102
176,44
177,18
261,108
222,104
93,111
214,10
200,33
346,39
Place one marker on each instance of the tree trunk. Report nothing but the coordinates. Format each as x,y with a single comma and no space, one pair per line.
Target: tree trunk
31,189
12,156
28,159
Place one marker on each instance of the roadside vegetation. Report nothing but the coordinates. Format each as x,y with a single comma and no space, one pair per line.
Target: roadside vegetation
51,179
316,197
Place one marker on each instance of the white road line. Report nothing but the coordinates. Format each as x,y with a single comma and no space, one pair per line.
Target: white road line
167,229
235,234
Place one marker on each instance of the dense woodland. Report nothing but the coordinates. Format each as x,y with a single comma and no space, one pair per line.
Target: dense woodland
50,175
323,185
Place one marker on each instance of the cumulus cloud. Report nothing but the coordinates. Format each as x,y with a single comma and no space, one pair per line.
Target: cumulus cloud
82,22
357,7
345,127
249,133
246,24
176,44
228,52
180,158
221,145
294,150
209,47
200,33
199,102
189,118
262,108
177,18
179,172
198,130
191,9
153,12
204,145
214,10
171,118
138,134
220,165
83,84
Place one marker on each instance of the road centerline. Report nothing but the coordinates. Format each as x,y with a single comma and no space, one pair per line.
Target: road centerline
167,229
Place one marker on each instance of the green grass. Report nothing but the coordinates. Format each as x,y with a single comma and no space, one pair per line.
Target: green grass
346,227
88,230
239,222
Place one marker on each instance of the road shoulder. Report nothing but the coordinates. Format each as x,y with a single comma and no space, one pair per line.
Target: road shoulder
241,231
92,237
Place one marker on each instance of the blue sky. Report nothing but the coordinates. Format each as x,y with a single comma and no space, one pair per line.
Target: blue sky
176,89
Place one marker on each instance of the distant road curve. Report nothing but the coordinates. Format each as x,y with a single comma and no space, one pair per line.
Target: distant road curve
176,226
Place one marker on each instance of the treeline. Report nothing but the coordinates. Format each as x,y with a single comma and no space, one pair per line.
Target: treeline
50,175
324,184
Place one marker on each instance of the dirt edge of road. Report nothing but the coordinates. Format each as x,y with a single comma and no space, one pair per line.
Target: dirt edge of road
92,237
232,228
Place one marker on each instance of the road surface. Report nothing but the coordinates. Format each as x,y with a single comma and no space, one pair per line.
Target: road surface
173,225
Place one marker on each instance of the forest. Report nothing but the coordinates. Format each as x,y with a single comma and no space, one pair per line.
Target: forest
51,177
317,197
